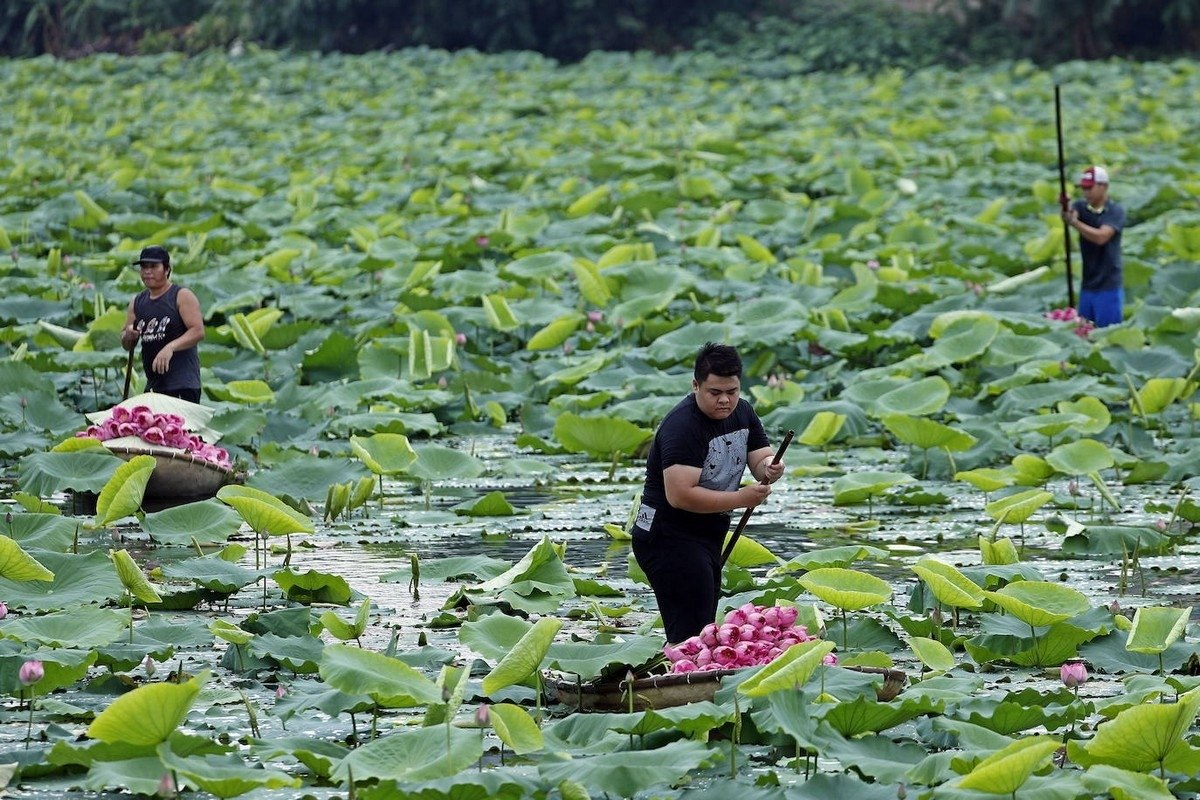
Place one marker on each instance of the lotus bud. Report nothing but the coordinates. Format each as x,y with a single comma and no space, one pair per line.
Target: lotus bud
3,610
590,327
166,786
481,241
684,665
703,658
774,653
830,660
8,517
935,616
1160,525
31,672
708,635
568,348
756,619
690,646
148,665
768,633
483,715
787,616
736,617
1073,673
280,691
460,339
728,635
724,655
595,316
672,652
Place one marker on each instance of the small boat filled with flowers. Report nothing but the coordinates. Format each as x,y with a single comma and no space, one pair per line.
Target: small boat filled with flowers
749,636
190,466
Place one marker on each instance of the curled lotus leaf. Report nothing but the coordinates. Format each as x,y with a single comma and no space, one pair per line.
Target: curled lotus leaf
1039,603
847,589
949,585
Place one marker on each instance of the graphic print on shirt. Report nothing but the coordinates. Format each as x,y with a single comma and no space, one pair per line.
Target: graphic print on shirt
156,329
725,462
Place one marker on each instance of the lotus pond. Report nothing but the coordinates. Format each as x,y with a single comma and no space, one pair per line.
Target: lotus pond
448,297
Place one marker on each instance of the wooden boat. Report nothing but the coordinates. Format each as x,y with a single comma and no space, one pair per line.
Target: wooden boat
178,474
665,691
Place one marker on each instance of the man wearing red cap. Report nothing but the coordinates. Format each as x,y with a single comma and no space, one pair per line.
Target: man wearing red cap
167,318
1099,221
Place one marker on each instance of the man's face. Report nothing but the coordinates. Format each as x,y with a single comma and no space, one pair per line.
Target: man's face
154,274
717,396
1095,194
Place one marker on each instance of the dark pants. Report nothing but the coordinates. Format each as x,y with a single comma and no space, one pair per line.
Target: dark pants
685,575
191,395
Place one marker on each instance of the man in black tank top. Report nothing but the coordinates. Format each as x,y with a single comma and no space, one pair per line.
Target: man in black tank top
167,319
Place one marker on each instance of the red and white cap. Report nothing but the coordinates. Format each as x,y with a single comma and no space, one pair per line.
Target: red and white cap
1092,176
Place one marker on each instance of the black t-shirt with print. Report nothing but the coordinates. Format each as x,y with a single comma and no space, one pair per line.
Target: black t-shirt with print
718,448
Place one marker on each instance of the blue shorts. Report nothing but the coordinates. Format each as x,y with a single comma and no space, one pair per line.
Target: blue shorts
1102,308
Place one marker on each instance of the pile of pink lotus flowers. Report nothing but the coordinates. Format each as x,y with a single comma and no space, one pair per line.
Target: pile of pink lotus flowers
1068,314
750,636
166,430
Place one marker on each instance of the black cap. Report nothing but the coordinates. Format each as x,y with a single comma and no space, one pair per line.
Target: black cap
154,255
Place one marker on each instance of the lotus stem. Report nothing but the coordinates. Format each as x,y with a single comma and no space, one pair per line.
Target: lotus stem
29,725
1037,658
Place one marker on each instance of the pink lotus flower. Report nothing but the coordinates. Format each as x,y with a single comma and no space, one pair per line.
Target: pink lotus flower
830,660
3,610
483,715
595,316
683,665
460,339
154,435
31,672
120,414
1073,673
128,429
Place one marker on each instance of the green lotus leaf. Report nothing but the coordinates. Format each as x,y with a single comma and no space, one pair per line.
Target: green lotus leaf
1093,408
1123,784
1006,770
388,681
1031,470
423,754
592,286
749,553
821,429
1039,603
1082,457
384,453
999,552
1140,738
847,589
228,632
1155,628
206,521
985,479
313,586
494,635
78,579
250,392
605,653
224,775
147,715
916,399
516,728
492,504
1158,393
308,478
344,631
1017,507
926,434
1049,425
133,579
83,626
212,572
438,463
949,585
525,657
499,315
555,333
933,654
265,513
602,437
859,486
17,565
122,494
842,556
49,531
62,667
44,474
628,773
962,340
790,670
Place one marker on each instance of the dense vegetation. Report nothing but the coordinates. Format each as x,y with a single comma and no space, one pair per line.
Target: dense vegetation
824,33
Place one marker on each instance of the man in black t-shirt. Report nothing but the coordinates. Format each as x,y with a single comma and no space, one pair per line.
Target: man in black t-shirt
1099,221
693,482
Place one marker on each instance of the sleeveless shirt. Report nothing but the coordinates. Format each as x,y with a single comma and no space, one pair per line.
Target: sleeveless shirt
161,323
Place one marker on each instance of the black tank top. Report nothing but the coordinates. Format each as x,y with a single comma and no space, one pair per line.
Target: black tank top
160,323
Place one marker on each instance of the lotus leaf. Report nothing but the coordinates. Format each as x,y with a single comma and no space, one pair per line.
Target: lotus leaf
1039,603
516,728
985,479
388,681
133,579
344,631
224,775
80,579
822,429
1142,737
603,437
313,586
788,671
1083,457
525,657
916,399
1123,784
1017,507
148,715
926,434
435,462
1006,770
846,589
78,627
998,552
17,565
206,521
384,453
44,474
1155,628
412,755
949,585
264,513
859,486
933,654
492,504
626,774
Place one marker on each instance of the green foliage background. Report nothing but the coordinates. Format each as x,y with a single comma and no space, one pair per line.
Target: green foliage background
827,33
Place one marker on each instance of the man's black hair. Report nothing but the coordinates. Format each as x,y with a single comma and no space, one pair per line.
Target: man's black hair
721,360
